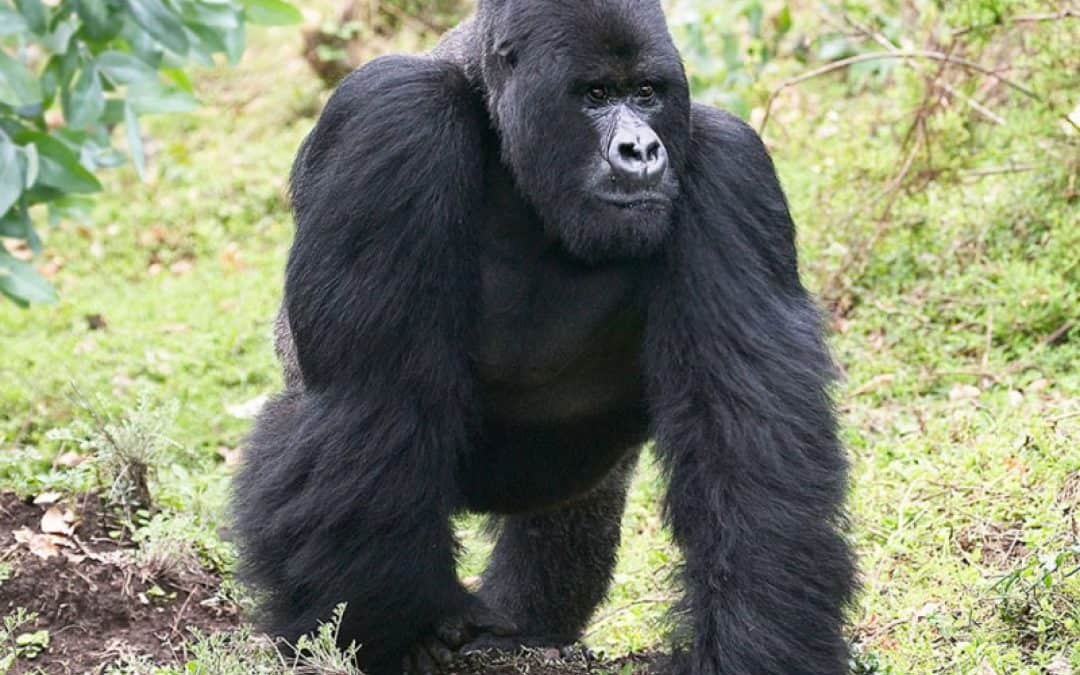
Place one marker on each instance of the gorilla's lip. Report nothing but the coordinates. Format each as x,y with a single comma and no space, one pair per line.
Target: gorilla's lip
644,200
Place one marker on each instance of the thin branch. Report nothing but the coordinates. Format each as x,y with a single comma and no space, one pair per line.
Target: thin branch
1056,16
940,57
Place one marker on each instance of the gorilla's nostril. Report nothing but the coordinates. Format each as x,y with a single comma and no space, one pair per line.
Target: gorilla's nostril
630,151
653,151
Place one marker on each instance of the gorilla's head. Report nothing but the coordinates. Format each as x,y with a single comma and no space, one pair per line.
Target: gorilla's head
592,107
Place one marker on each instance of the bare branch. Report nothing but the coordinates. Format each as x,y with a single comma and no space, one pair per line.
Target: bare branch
940,57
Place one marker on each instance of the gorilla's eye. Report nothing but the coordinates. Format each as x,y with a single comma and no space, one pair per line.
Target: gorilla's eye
646,92
598,93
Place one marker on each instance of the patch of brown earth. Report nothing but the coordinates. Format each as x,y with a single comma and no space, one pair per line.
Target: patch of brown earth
550,662
1000,546
88,593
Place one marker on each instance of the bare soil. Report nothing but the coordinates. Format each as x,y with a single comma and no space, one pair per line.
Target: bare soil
93,600
98,604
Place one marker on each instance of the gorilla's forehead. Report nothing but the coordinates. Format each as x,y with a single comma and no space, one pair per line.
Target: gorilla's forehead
621,35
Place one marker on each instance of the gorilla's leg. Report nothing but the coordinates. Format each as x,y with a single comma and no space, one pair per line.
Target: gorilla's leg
551,569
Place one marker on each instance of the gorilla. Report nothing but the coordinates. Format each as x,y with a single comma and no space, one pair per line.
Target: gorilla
518,259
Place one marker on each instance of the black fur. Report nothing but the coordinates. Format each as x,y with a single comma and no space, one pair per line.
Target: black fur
479,314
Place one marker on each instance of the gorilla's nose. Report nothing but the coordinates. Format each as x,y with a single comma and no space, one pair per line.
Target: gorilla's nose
637,157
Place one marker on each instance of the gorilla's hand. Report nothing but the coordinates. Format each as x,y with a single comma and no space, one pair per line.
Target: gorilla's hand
437,650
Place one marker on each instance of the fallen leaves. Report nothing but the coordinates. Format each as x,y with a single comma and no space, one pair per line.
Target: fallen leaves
56,530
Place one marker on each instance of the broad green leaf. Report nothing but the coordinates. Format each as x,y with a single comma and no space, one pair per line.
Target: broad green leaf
271,13
149,98
21,282
35,14
84,103
235,42
134,140
11,23
124,68
97,26
220,15
59,38
18,87
57,75
180,78
203,43
783,21
32,164
161,23
11,176
16,224
59,166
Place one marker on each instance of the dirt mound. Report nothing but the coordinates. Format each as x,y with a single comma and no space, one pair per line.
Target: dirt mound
93,603
577,662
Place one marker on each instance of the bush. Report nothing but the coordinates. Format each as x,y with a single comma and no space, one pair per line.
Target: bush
70,72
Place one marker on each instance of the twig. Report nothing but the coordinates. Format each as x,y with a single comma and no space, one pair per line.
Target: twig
1049,340
888,44
940,57
1056,16
890,192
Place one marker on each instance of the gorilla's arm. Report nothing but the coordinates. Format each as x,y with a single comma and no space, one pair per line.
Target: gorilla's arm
739,378
349,481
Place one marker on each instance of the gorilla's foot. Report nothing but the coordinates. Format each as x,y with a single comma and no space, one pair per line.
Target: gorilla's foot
436,651
515,643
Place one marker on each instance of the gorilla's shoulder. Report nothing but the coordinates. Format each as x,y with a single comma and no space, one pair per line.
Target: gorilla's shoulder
713,127
407,80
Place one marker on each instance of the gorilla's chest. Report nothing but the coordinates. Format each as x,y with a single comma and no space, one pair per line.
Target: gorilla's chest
556,339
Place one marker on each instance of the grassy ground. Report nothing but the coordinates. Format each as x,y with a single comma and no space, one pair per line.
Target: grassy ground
949,259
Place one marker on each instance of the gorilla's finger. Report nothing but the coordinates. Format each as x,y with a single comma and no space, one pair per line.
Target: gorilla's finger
438,651
421,662
453,631
488,643
491,621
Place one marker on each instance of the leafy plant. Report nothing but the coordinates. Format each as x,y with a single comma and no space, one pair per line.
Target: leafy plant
74,70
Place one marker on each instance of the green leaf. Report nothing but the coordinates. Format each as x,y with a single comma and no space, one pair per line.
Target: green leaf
59,166
34,12
32,165
16,224
18,87
134,140
150,98
84,103
124,68
271,13
21,282
180,78
161,23
11,176
783,21
219,15
11,22
59,38
95,19
235,42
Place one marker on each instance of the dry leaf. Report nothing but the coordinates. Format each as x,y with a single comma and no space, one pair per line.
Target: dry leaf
232,456
248,409
69,459
963,392
58,521
41,545
47,498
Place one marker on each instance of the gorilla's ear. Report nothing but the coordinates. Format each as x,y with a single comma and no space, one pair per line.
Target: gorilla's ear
504,49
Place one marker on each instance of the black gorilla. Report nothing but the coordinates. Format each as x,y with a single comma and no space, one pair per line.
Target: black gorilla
516,260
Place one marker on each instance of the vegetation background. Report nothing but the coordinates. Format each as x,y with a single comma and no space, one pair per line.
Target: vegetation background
930,153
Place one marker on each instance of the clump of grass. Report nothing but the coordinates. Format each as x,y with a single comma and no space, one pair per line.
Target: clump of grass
124,449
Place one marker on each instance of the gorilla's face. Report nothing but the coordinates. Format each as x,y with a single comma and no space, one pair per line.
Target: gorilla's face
592,106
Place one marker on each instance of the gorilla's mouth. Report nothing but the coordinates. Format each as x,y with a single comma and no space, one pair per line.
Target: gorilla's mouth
638,202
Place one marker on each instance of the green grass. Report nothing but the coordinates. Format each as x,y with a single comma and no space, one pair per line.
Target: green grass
955,330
